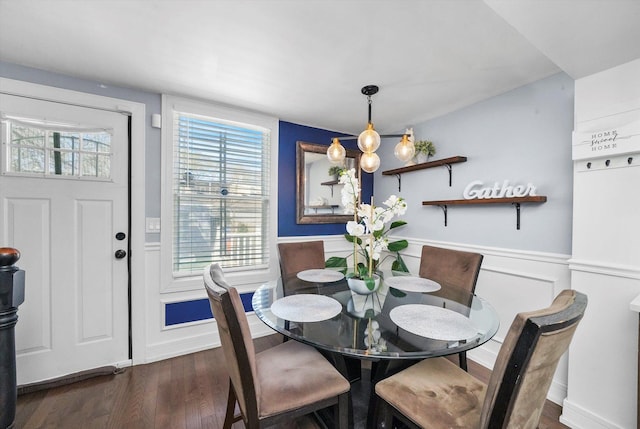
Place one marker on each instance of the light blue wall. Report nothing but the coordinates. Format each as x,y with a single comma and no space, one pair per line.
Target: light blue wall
524,136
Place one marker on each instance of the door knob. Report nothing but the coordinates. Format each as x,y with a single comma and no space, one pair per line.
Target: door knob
120,254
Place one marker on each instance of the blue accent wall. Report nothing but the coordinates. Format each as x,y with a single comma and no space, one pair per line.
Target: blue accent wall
290,134
199,309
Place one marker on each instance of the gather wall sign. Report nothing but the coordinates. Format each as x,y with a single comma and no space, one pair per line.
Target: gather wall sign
475,192
476,189
503,192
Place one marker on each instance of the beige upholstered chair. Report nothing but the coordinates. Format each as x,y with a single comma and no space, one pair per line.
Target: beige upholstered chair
300,256
296,257
452,269
277,385
436,393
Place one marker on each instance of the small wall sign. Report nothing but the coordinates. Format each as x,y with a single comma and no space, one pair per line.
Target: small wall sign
607,141
477,190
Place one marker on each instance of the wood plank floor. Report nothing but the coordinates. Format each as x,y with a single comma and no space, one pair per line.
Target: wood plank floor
187,392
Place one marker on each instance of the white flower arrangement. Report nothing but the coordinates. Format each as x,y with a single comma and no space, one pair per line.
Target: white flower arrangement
368,230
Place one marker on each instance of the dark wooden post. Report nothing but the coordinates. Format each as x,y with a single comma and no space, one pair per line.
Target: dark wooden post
11,296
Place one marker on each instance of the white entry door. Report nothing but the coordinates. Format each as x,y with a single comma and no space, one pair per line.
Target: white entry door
64,206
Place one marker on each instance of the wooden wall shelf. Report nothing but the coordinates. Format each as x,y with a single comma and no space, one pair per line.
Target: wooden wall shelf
330,184
446,162
516,201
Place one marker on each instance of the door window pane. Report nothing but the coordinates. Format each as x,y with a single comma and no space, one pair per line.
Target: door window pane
60,150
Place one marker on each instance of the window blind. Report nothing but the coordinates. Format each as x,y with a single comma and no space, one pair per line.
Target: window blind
221,194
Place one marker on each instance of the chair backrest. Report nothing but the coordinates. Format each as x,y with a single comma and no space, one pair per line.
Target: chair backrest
300,256
235,337
527,361
450,267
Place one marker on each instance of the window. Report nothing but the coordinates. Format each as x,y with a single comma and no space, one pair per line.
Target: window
35,147
221,183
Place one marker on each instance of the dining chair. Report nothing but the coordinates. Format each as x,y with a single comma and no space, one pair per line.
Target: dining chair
452,269
300,256
436,393
276,385
307,255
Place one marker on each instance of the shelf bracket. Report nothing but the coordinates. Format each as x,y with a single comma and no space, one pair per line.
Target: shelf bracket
331,186
399,181
444,210
517,205
448,166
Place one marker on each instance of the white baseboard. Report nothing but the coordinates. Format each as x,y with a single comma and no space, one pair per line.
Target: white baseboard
577,417
173,348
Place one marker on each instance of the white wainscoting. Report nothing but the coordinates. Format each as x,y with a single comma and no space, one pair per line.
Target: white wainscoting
604,351
163,342
512,281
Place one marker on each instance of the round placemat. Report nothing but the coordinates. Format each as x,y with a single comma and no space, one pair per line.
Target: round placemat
320,275
306,308
412,284
433,322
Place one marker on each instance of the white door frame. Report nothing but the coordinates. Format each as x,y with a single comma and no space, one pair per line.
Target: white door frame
137,184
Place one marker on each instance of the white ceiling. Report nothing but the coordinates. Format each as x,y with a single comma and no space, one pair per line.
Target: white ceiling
306,61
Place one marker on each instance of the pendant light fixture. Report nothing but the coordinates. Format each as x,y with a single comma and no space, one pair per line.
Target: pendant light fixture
369,142
405,150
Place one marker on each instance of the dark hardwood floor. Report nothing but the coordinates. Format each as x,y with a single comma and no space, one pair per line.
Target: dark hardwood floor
187,392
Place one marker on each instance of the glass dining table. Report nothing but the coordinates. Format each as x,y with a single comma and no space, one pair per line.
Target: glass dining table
407,319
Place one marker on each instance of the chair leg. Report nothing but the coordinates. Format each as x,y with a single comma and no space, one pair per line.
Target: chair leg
342,411
230,418
385,415
463,360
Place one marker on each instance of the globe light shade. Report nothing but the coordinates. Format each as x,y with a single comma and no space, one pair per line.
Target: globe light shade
336,152
369,139
404,150
369,162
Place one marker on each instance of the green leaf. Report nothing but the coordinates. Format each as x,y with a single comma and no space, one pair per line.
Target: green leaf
362,270
399,265
397,223
337,262
397,293
396,246
350,238
370,283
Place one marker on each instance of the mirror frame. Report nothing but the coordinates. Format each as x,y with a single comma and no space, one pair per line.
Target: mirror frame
301,217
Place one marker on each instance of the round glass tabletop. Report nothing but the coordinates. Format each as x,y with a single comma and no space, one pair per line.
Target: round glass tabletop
392,323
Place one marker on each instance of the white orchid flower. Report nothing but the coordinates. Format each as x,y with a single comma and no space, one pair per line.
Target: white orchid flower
354,228
391,201
368,220
397,205
376,225
375,254
350,190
